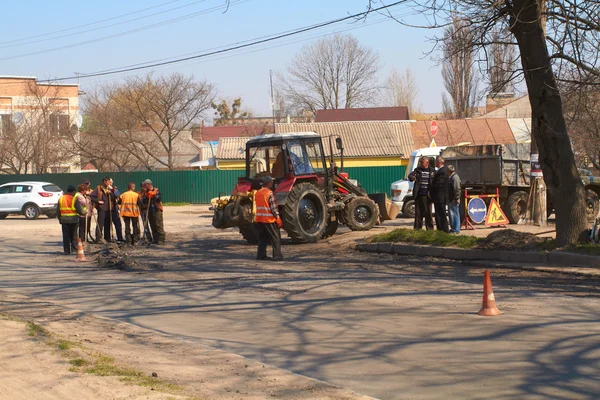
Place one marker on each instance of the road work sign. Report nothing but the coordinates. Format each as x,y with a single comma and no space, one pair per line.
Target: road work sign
433,143
495,215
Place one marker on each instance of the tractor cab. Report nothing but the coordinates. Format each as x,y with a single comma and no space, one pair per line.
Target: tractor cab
286,158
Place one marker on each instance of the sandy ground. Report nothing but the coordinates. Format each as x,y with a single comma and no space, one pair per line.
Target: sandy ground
204,315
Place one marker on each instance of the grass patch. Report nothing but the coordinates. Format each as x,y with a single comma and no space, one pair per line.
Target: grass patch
589,249
176,204
432,237
34,330
103,365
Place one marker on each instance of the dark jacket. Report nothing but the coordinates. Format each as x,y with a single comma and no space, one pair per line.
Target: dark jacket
103,194
416,176
439,186
155,203
454,190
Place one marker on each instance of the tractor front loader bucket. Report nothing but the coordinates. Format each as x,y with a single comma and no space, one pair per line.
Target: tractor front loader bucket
387,209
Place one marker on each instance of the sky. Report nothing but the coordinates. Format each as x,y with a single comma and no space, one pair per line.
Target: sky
58,39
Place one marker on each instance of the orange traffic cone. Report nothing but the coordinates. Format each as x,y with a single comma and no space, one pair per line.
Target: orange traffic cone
80,253
488,308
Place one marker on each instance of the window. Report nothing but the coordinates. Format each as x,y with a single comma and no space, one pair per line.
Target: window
315,155
51,188
299,159
59,124
6,124
22,189
5,189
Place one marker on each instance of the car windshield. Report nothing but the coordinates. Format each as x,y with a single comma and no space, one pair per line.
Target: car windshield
51,188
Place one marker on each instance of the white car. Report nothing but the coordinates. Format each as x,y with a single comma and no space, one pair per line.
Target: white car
29,198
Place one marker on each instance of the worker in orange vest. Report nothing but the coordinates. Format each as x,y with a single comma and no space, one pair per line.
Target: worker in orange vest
69,210
267,221
131,202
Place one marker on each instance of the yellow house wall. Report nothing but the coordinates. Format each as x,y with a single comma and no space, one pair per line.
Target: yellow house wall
348,162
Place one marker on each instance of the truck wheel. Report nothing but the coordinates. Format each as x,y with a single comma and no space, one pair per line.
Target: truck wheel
591,205
361,214
409,209
304,214
516,206
331,229
30,211
249,233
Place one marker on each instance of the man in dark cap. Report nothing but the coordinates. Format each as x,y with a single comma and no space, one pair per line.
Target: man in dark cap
69,210
152,202
268,221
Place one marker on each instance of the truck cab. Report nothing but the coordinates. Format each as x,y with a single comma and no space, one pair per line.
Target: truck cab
401,191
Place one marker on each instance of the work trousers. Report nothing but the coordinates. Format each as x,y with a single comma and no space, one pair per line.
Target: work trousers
69,233
156,224
84,227
268,234
423,210
129,222
454,214
146,226
441,221
104,223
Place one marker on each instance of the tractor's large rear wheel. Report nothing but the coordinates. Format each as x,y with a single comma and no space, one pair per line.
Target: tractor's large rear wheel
249,233
361,214
304,214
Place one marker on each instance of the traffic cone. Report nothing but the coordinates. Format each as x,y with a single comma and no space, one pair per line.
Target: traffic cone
80,253
488,308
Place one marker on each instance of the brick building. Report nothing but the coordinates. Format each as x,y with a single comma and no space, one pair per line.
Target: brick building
29,107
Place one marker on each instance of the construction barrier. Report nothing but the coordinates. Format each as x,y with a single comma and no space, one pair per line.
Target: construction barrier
198,187
478,212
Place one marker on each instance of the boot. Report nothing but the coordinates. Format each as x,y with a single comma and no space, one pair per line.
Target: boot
128,238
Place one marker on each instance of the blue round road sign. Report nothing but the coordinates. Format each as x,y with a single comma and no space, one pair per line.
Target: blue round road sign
477,210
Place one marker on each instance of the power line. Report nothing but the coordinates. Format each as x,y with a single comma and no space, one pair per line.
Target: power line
90,23
102,27
274,46
235,47
302,39
143,28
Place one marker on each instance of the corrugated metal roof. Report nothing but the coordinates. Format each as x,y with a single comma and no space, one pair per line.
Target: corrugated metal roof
361,138
454,132
363,114
521,129
228,148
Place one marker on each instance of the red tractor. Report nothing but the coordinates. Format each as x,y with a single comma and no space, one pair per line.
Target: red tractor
312,196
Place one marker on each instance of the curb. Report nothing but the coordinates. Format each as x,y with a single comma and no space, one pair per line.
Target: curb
540,261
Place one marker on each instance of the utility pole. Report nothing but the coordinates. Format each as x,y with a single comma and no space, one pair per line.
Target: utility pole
272,98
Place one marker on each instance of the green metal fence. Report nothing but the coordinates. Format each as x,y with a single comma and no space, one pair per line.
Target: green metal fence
200,186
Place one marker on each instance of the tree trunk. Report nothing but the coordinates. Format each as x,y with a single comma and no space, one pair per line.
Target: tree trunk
548,125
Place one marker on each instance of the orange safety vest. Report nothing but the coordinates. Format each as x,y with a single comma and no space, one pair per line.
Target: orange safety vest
129,204
263,208
67,206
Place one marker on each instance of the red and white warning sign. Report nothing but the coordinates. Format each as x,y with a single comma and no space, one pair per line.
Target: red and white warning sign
495,215
433,128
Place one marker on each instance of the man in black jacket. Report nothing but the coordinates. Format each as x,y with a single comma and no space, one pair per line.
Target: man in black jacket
422,176
439,194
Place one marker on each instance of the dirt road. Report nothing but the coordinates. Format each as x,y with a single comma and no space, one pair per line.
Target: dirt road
385,326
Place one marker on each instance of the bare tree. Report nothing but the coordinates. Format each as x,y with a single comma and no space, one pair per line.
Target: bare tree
137,124
401,90
501,62
37,139
458,70
334,72
552,37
